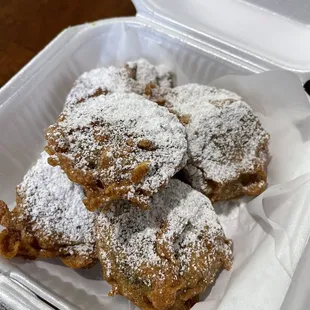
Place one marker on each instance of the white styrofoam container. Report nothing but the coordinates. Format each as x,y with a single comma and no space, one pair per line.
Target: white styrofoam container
208,39
265,33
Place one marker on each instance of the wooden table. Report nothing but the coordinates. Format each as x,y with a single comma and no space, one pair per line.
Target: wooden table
26,26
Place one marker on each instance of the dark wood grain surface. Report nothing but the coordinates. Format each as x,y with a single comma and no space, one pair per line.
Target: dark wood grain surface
26,26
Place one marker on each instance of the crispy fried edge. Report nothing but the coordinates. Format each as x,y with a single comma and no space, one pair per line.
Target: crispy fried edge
17,242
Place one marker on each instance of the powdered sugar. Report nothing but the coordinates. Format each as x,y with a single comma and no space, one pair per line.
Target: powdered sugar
117,124
190,97
131,78
146,73
109,79
224,135
53,206
180,222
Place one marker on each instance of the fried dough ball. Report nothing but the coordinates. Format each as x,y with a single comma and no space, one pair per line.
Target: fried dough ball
162,258
227,145
118,146
49,220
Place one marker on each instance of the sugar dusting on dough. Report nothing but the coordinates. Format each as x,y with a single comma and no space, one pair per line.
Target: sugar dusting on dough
189,220
224,135
146,73
113,79
53,205
121,117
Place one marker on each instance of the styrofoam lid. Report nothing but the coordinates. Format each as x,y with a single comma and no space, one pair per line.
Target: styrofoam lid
277,32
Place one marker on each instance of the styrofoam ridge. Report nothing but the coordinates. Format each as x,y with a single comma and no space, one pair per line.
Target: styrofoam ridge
250,30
